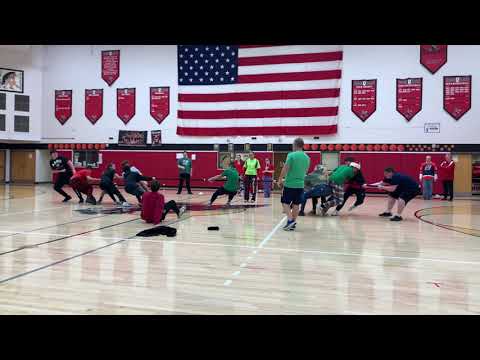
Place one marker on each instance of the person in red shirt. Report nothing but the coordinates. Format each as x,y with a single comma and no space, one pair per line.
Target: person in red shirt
267,178
82,181
154,209
447,174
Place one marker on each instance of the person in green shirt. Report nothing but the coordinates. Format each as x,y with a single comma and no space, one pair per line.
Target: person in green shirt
251,166
336,181
231,185
185,167
292,178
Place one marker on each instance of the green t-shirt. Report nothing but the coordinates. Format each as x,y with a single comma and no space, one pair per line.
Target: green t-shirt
298,163
187,163
232,182
251,166
342,174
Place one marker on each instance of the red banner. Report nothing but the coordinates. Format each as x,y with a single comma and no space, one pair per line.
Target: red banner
364,98
126,104
93,104
457,95
63,105
433,57
110,66
409,97
159,103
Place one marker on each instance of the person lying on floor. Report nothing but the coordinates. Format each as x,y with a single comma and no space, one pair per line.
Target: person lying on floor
154,209
315,187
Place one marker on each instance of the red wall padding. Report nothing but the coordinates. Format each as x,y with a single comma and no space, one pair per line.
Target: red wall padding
373,164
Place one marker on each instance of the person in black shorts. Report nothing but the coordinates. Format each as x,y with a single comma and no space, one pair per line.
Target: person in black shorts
132,180
65,170
107,184
401,188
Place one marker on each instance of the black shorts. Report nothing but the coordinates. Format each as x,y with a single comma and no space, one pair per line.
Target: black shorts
63,180
292,196
405,195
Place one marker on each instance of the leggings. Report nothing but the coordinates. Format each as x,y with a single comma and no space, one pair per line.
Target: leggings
112,190
222,191
250,183
359,193
171,205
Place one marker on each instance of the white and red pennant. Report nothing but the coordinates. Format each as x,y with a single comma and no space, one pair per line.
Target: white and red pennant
63,105
126,104
93,104
457,95
110,66
159,103
364,98
433,57
409,97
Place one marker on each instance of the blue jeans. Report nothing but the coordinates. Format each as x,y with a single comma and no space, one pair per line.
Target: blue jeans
427,189
267,186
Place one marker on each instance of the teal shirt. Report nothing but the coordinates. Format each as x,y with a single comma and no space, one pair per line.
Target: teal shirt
232,182
298,163
187,163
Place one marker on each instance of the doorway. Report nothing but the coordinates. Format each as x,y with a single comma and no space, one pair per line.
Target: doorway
22,166
2,165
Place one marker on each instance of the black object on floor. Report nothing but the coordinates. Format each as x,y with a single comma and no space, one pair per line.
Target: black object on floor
159,230
213,228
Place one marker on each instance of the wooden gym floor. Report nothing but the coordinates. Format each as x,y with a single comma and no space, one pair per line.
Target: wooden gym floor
55,260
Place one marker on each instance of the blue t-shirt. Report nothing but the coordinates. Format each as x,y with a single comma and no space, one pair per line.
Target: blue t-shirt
404,182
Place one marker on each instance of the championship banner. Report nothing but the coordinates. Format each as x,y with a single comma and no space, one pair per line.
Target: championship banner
110,66
156,137
126,104
93,104
63,105
409,97
457,95
132,138
433,57
159,103
364,98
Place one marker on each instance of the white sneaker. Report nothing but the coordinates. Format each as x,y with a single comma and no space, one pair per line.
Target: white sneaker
181,211
335,213
126,204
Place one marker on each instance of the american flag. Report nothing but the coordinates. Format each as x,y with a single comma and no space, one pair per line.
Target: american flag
228,90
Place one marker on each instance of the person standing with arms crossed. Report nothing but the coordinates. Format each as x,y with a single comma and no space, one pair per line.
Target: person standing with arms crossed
293,176
267,178
185,166
428,174
447,174
251,166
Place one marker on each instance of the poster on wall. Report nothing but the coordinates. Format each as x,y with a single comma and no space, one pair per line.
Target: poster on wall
433,57
159,103
93,104
156,137
132,138
110,66
457,95
409,97
126,104
364,98
63,105
11,80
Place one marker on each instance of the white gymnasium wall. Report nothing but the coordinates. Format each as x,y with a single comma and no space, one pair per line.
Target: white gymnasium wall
78,68
29,59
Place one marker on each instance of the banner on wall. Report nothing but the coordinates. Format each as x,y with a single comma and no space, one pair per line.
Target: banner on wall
93,104
457,95
132,138
159,103
409,97
110,66
433,57
126,104
63,105
364,98
156,137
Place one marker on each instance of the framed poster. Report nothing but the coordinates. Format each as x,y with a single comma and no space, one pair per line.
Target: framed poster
159,103
132,138
93,104
409,97
110,66
63,105
156,137
433,57
11,80
364,98
126,104
457,95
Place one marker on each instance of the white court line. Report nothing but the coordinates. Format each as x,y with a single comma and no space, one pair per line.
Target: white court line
320,252
33,211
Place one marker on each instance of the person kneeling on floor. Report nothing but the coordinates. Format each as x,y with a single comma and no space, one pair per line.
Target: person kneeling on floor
154,209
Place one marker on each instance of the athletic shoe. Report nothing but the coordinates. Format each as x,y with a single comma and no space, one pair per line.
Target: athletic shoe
190,193
181,211
351,208
301,213
323,211
253,200
313,212
119,203
178,193
385,214
81,201
228,204
289,225
293,227
126,204
335,213
209,204
68,198
396,218
91,200
444,199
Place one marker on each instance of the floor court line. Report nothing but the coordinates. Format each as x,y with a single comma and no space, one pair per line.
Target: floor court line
34,211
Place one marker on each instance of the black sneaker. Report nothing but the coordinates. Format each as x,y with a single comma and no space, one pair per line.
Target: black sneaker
91,200
396,218
81,201
385,214
190,193
68,198
301,213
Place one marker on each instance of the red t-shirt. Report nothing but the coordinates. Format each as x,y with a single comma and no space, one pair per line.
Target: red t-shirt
239,167
447,170
269,168
152,207
82,175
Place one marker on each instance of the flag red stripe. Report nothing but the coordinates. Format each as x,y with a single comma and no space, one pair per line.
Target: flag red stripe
293,76
248,131
290,59
263,95
260,113
256,46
